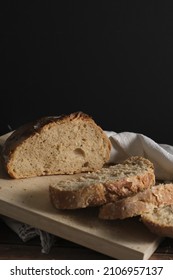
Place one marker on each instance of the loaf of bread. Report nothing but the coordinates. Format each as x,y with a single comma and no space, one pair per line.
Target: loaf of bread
159,220
105,185
67,144
138,204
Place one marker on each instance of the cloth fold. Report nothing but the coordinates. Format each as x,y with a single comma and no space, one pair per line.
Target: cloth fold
124,145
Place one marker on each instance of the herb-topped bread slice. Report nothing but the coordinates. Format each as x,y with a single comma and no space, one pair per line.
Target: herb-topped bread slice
105,185
138,204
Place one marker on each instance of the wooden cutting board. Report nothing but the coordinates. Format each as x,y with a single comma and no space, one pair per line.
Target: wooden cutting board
27,200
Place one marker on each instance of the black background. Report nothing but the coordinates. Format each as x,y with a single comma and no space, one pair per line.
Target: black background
110,59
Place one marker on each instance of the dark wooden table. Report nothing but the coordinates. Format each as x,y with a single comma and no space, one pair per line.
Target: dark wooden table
11,247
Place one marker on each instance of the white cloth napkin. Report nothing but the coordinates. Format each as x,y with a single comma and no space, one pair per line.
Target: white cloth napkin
124,145
127,144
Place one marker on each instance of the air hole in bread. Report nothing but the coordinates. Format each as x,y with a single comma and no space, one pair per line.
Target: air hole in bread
79,152
85,164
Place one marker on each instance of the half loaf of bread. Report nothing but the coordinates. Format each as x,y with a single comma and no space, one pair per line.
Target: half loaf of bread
107,184
56,145
138,204
160,220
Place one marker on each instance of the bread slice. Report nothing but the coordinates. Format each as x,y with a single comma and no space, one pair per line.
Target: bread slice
160,220
138,204
56,145
108,184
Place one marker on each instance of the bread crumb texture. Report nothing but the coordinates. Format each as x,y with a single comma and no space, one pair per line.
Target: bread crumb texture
160,220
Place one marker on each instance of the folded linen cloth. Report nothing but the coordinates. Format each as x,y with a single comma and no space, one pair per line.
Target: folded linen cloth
124,144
